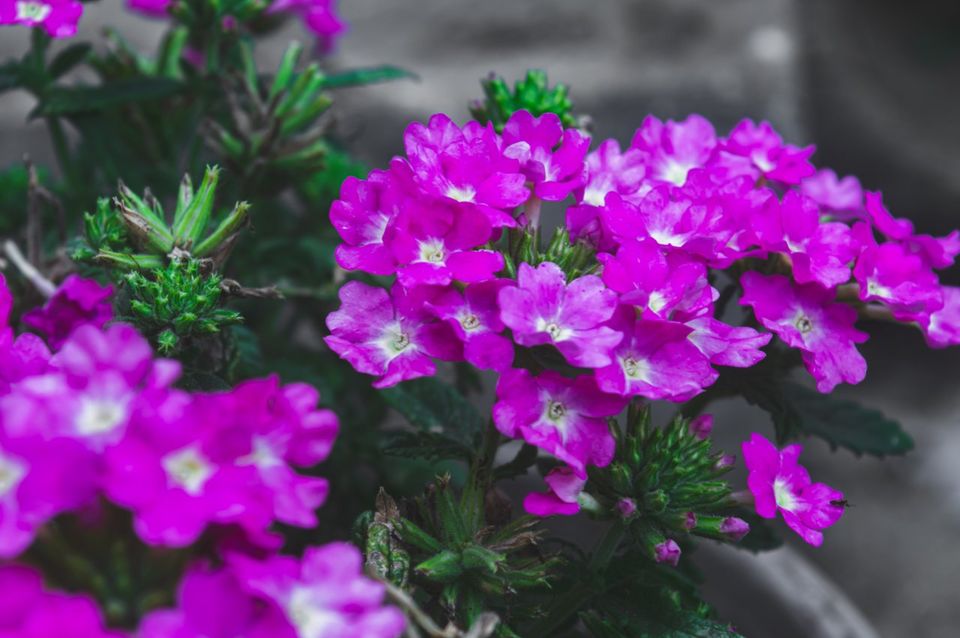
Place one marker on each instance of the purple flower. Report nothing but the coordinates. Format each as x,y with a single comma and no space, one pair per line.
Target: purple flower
544,309
764,148
655,360
807,318
673,149
39,479
465,165
734,528
58,18
386,335
942,327
551,157
701,426
322,595
565,487
820,251
76,302
726,345
779,483
319,16
433,244
30,611
564,417
659,282
936,252
670,222
361,216
667,552
839,196
607,170
474,316
891,274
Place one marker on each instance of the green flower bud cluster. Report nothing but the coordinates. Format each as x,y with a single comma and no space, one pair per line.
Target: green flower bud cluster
574,258
532,93
467,563
135,234
176,302
666,483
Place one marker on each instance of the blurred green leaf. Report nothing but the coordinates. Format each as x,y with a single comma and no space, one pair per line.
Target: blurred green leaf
436,408
361,77
68,59
81,99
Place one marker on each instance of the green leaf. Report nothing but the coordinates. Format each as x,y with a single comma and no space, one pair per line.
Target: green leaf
425,445
437,408
845,423
361,77
69,58
82,99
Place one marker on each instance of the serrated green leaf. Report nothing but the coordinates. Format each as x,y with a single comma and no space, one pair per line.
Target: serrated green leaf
437,408
845,423
82,99
70,57
361,77
425,445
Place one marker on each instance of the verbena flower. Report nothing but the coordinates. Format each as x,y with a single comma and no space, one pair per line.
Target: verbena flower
58,18
564,417
768,155
361,216
386,335
565,487
672,149
807,318
842,197
29,610
474,315
543,309
77,301
550,156
780,484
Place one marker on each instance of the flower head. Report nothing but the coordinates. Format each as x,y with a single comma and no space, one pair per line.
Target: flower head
58,18
565,487
543,308
763,147
76,302
361,216
564,417
672,149
474,316
780,484
551,157
385,335
807,318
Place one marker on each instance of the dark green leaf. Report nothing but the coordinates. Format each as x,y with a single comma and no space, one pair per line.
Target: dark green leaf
67,59
68,101
361,77
437,408
847,424
762,536
9,75
425,445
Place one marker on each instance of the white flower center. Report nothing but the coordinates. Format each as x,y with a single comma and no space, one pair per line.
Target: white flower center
12,472
635,368
262,455
433,251
465,194
311,619
100,416
675,172
554,329
784,497
656,301
33,12
188,468
803,323
469,322
875,289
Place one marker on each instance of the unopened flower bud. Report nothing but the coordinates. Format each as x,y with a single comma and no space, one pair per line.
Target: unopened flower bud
702,426
627,507
667,552
734,528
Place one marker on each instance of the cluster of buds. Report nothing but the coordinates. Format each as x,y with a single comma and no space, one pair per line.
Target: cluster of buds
533,93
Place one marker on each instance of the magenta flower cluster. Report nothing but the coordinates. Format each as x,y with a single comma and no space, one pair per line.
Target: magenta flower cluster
96,417
673,217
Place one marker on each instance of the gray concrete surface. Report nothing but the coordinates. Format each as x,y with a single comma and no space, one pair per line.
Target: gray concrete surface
894,553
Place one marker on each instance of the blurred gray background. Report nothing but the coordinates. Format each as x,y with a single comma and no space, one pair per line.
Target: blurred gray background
874,83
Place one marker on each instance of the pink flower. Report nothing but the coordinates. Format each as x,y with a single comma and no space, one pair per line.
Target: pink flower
30,611
434,243
39,479
20,356
820,251
564,417
936,252
475,318
388,335
465,165
779,483
361,216
543,309
76,302
807,318
670,222
551,157
155,8
211,603
726,345
655,360
607,170
58,18
765,149
942,327
843,196
890,274
319,16
565,487
673,149
659,282
322,595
